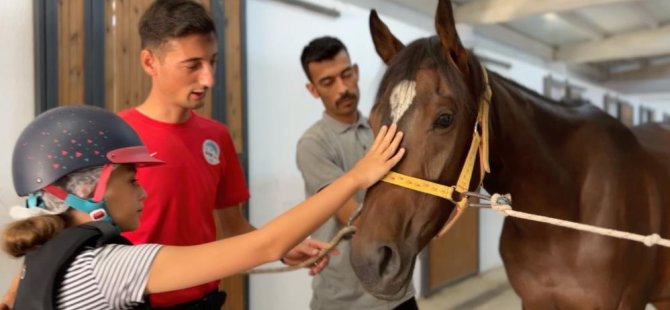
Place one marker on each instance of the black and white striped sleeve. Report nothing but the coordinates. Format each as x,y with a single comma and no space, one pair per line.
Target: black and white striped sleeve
113,276
123,271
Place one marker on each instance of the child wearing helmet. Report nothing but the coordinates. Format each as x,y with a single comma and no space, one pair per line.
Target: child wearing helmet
77,164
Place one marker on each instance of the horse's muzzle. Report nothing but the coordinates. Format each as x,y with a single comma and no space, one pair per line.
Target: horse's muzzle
379,267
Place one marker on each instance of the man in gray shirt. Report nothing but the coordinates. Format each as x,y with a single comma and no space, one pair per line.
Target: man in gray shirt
325,151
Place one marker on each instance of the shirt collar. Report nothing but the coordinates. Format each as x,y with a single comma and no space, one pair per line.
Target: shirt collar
340,127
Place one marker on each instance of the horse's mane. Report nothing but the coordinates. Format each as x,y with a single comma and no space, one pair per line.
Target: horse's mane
568,103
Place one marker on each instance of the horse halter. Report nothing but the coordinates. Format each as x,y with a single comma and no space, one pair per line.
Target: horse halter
479,145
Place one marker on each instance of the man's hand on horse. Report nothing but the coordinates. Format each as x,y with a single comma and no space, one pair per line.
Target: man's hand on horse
306,250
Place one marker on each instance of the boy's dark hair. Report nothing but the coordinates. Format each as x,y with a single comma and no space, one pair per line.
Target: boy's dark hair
320,49
169,19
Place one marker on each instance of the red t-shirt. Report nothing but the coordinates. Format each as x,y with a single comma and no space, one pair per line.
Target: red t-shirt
201,173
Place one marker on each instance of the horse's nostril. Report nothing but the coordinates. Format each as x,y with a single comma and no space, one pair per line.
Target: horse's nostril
386,254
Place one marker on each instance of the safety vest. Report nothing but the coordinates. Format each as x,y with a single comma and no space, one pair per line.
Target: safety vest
44,268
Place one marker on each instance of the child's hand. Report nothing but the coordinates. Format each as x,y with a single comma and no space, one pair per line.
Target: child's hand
380,158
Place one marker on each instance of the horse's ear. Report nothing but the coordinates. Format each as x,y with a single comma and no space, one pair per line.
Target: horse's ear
446,31
386,43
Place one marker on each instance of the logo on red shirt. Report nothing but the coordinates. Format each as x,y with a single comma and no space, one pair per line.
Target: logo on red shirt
211,152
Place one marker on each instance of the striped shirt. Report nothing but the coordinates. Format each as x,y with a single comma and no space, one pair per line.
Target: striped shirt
113,276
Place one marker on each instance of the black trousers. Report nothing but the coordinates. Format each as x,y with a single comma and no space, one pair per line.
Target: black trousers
409,304
212,301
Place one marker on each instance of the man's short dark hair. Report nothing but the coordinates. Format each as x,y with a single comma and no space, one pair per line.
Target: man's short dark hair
320,49
169,19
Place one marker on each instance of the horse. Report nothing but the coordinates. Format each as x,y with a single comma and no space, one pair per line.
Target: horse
570,161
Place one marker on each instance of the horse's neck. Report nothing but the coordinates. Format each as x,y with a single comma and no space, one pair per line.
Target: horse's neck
525,137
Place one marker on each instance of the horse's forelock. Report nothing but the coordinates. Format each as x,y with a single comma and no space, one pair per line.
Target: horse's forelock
402,70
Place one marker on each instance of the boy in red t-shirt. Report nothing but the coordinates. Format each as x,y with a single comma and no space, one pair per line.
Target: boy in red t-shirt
202,175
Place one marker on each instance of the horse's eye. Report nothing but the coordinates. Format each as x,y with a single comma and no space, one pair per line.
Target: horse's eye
444,120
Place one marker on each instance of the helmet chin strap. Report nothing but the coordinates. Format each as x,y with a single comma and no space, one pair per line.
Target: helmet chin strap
102,183
96,208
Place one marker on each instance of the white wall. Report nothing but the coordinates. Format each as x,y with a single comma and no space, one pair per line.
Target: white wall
17,104
280,109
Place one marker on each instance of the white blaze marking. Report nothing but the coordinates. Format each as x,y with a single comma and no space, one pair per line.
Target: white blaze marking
402,97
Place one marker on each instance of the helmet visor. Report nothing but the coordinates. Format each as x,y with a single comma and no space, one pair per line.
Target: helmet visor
133,155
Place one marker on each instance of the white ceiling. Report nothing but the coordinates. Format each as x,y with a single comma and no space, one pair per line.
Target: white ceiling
622,43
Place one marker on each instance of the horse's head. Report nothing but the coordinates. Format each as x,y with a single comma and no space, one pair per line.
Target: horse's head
431,90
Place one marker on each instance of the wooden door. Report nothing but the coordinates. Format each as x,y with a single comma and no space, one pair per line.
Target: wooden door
126,85
70,52
454,256
234,111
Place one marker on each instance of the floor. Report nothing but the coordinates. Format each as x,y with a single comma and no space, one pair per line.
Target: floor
488,290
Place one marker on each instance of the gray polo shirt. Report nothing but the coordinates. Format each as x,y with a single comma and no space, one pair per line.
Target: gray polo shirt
326,151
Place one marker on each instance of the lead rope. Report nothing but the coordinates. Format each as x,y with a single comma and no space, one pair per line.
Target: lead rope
503,204
344,233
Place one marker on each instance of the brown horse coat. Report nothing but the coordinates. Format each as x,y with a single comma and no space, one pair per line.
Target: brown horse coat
565,160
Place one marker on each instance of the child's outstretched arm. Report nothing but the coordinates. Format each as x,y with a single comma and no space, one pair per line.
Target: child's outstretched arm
181,267
7,301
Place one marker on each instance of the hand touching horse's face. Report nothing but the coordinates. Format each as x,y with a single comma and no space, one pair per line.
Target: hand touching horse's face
425,92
